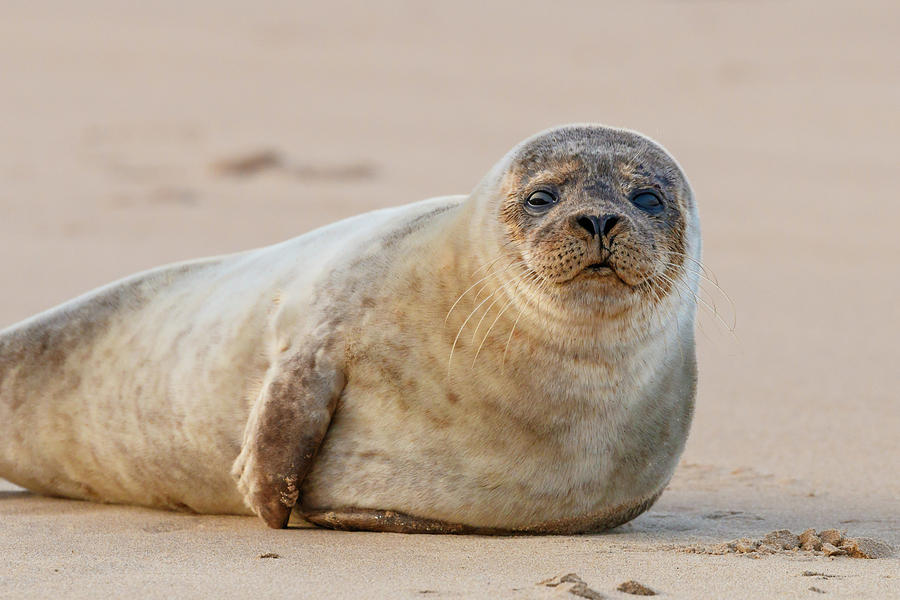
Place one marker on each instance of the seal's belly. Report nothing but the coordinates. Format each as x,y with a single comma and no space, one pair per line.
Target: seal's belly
406,466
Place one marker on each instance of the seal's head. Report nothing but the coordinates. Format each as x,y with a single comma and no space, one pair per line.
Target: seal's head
596,219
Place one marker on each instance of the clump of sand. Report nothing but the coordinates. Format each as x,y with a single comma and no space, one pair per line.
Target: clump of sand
829,542
573,584
636,589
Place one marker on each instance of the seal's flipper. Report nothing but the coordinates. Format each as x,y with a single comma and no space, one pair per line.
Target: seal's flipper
283,433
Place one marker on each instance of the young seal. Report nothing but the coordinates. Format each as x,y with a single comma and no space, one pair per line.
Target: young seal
517,360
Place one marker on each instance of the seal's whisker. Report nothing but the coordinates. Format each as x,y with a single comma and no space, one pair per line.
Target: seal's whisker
688,270
472,313
488,309
665,315
469,289
521,277
711,298
661,313
488,332
491,262
700,275
537,280
703,272
486,283
461,327
485,314
509,339
697,262
679,286
652,288
732,307
713,310
491,274
487,265
668,313
681,292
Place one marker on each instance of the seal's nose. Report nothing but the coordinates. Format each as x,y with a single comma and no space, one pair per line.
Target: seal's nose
597,224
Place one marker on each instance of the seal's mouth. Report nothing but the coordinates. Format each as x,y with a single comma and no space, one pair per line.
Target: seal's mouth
600,268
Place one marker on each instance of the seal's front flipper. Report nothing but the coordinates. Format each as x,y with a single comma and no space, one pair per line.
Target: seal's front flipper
286,426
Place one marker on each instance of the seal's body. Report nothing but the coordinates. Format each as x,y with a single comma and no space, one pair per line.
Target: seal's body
520,359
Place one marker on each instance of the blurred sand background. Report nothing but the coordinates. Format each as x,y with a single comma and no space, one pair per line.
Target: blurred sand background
783,114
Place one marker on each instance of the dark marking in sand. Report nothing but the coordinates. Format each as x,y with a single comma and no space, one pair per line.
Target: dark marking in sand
251,163
260,161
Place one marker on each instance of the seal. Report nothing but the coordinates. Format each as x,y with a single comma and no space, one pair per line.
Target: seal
520,359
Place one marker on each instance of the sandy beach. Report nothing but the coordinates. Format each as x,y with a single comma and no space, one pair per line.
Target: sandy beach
135,135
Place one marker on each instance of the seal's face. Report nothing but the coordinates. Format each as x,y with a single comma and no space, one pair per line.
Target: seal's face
597,215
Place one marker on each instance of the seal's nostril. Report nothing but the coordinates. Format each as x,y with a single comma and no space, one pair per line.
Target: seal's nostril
597,225
589,223
609,221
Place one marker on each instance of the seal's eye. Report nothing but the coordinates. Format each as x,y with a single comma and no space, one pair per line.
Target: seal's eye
648,202
540,201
